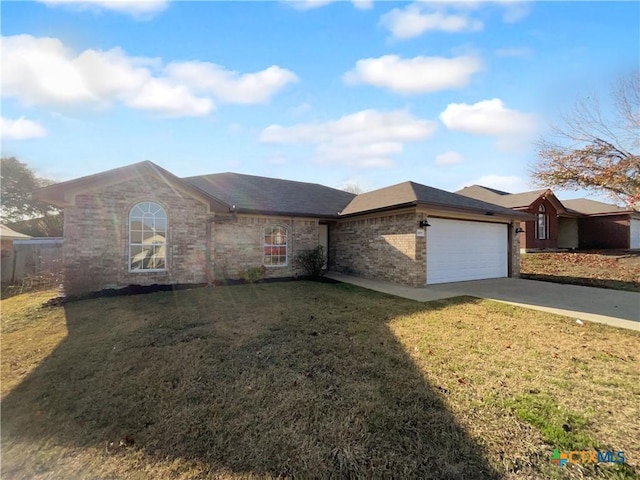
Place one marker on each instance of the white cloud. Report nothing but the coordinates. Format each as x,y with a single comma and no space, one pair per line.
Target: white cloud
230,86
488,117
44,71
513,130
449,158
413,21
41,70
157,95
313,4
20,129
136,8
414,75
514,10
364,139
422,17
363,4
505,183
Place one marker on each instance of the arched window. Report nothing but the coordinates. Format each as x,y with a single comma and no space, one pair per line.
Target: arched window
275,246
147,237
542,226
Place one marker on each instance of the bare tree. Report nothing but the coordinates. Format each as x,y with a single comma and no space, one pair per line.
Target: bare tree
353,188
595,148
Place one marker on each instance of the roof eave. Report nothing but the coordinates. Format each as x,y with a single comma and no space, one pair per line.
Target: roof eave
379,209
251,211
514,215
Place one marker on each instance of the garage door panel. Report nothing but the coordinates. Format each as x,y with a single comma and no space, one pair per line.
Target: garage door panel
459,250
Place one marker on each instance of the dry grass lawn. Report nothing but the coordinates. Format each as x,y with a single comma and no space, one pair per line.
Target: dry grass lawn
616,270
309,380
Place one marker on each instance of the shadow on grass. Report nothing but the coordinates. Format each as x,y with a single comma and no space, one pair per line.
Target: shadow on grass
296,379
585,281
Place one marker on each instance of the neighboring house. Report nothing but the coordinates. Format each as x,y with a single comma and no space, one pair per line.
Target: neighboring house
552,226
602,225
140,224
567,224
7,236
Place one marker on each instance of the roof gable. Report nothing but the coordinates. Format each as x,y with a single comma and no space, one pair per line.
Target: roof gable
63,194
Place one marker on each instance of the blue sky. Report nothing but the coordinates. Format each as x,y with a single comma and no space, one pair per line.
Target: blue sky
373,93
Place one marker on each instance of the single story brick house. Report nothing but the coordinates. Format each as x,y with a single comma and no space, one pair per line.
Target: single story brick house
567,224
142,225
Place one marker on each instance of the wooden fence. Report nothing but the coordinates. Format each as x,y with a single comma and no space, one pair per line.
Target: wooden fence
33,261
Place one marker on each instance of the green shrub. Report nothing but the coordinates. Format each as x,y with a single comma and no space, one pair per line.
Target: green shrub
255,274
311,262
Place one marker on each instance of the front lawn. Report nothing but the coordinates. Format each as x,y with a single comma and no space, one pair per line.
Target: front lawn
305,380
616,270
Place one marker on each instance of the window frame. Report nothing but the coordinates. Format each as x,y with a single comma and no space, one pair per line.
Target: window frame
542,223
272,245
162,210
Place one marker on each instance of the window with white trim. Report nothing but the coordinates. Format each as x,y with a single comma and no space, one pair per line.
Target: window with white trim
542,224
275,246
147,238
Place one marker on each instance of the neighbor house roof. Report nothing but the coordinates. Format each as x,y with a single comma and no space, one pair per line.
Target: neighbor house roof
592,207
253,194
412,194
7,234
511,200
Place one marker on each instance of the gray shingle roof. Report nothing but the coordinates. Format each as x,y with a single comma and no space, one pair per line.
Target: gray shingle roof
251,193
524,199
591,207
411,193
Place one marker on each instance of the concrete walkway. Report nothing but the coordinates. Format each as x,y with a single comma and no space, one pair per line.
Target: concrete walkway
613,307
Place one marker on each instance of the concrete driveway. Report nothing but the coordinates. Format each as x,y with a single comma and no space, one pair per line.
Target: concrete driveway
613,307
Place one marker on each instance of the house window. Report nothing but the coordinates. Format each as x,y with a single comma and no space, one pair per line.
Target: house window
275,246
542,224
147,238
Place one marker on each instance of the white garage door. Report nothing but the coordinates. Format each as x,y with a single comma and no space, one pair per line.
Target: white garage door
635,233
458,250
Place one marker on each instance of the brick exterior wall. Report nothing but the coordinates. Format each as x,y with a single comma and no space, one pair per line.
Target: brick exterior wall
384,247
611,231
239,244
387,247
96,231
514,259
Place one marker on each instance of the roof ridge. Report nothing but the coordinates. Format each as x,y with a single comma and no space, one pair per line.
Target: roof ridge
263,177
